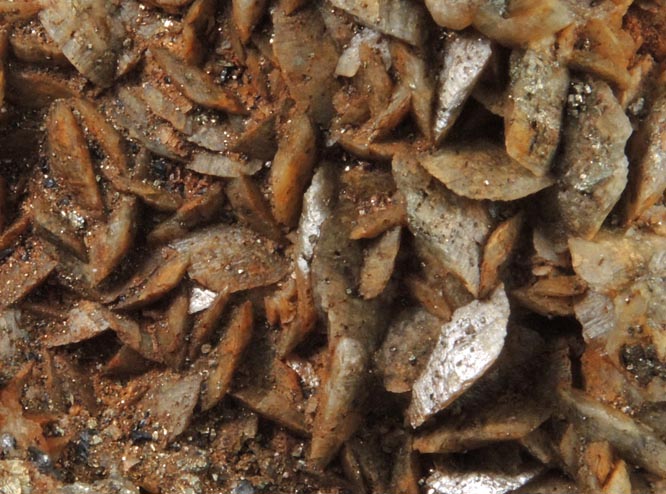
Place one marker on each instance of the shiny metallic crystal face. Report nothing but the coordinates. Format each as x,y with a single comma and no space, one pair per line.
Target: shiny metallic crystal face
332,246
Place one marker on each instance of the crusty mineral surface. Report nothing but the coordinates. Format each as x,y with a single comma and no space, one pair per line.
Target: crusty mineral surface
332,246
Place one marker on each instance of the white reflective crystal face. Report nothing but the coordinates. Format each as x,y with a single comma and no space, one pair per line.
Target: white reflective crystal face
200,299
477,482
465,59
467,347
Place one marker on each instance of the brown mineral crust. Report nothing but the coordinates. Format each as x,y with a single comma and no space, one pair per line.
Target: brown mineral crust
332,247
646,22
22,272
